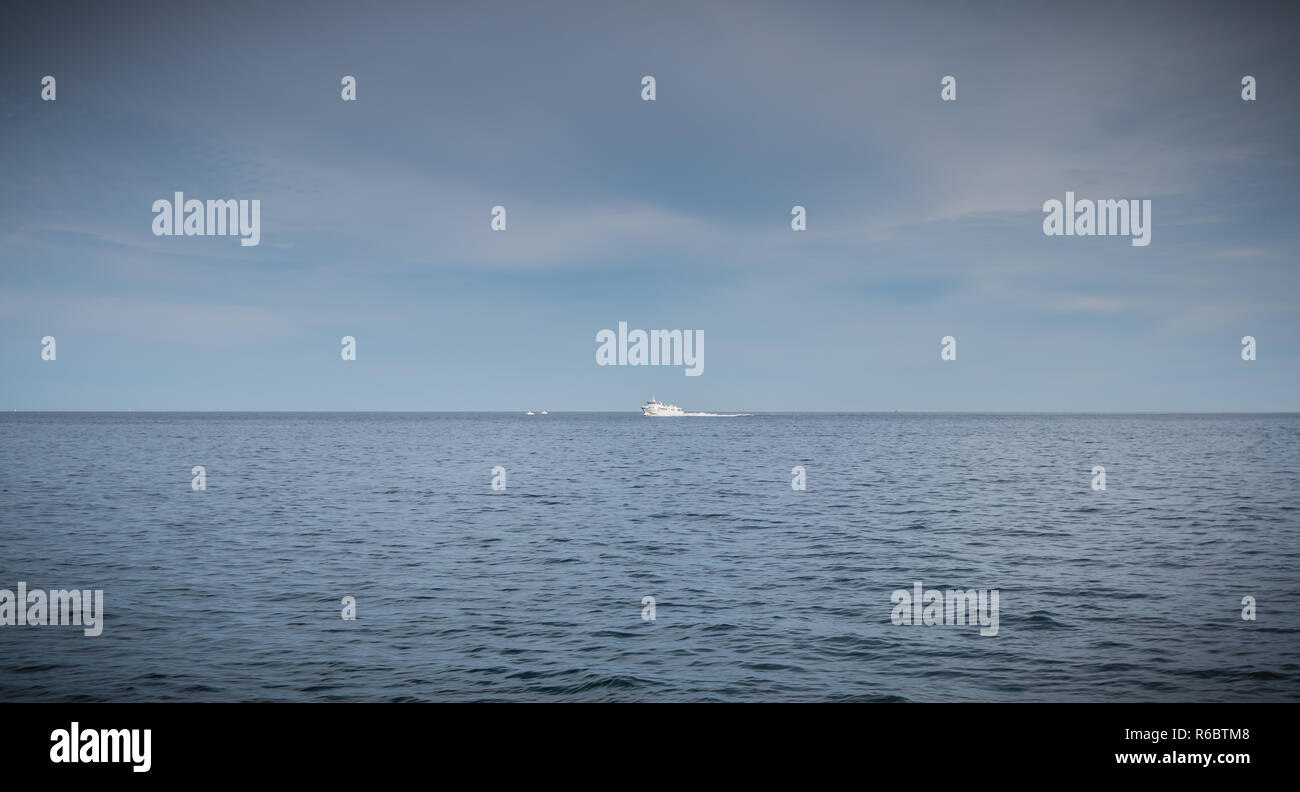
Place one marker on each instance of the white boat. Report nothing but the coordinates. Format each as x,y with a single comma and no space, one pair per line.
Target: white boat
544,412
657,409
530,412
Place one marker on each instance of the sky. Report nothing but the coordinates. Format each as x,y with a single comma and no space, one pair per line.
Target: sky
924,216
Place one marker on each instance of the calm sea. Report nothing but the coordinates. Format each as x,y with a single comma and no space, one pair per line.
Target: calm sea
761,592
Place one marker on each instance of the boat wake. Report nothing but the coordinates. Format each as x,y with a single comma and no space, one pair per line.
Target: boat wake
657,409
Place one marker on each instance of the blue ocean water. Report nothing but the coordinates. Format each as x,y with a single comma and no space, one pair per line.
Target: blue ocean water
762,592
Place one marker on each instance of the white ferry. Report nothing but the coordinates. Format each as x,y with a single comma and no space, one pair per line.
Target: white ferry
657,409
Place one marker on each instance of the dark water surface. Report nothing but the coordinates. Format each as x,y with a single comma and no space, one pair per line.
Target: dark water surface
762,592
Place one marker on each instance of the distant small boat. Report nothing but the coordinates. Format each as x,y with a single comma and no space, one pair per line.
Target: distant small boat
530,412
544,412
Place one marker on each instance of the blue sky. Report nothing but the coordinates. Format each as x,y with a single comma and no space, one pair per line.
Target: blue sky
924,216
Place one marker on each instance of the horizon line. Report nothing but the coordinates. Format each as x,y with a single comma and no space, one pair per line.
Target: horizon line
633,412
